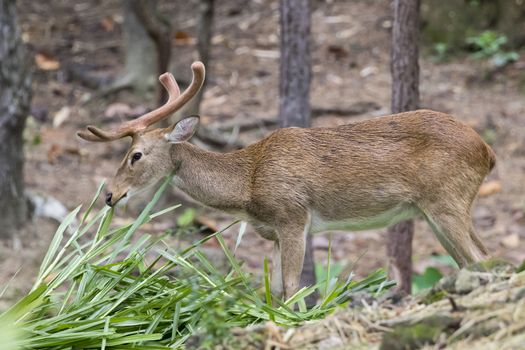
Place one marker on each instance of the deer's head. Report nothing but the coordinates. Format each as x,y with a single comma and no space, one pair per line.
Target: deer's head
148,157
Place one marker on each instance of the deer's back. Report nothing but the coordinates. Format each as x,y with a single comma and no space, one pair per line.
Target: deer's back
385,161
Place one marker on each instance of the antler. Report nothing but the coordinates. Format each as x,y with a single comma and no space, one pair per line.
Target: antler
175,102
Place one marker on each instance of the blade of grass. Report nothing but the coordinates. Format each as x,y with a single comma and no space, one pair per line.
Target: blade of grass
267,289
176,316
233,262
22,307
55,244
328,278
240,235
92,204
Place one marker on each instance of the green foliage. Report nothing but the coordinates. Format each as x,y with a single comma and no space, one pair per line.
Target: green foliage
267,291
521,267
434,296
493,265
425,280
490,45
215,322
322,273
431,275
31,132
440,51
489,135
487,43
445,259
99,288
417,335
186,218
9,334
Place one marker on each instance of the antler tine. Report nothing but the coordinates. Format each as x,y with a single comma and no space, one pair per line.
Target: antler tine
170,84
88,136
175,102
95,134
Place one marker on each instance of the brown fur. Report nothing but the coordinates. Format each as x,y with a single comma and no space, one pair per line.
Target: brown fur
297,180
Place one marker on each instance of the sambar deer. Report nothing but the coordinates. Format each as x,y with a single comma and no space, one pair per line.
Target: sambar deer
296,181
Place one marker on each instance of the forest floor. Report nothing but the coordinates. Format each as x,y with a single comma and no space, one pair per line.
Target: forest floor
482,307
350,48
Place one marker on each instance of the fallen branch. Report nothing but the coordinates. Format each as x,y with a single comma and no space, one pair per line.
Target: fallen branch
357,108
244,122
82,73
216,138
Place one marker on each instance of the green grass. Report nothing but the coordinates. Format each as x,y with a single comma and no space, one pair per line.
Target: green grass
99,289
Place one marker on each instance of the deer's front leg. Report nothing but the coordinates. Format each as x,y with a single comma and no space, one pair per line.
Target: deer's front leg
277,276
267,232
292,247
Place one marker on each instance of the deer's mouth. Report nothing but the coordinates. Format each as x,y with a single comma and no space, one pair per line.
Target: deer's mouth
123,200
113,200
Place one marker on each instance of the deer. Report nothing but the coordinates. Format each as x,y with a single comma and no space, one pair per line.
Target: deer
299,181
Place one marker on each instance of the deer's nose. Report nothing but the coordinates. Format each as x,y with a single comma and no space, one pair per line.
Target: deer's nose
109,195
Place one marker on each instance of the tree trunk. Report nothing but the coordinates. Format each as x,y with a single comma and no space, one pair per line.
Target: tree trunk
148,48
204,34
15,97
295,70
294,91
159,31
405,97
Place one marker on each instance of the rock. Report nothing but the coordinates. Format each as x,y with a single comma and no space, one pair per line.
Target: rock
492,265
320,242
415,336
511,241
519,295
61,116
446,284
521,267
330,343
49,207
467,281
518,279
368,71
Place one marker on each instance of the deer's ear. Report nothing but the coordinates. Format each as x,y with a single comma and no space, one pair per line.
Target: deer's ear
183,130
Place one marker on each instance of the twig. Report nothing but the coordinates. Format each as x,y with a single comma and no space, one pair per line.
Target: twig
455,307
246,122
219,139
80,73
355,109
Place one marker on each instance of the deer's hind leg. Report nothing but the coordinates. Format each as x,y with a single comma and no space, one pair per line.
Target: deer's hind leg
453,228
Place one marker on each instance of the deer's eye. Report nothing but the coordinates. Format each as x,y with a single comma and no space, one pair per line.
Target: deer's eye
136,156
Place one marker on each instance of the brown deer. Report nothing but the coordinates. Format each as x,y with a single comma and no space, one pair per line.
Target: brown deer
297,181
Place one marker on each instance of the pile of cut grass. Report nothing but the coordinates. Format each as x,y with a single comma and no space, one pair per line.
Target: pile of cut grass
97,288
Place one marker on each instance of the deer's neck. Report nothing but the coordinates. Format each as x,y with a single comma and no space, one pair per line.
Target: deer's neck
214,179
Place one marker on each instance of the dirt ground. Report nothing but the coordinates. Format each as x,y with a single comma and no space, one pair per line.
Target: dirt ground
350,48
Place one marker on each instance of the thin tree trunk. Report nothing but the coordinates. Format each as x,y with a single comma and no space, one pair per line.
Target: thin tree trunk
159,31
294,91
147,49
405,97
295,70
15,97
204,34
